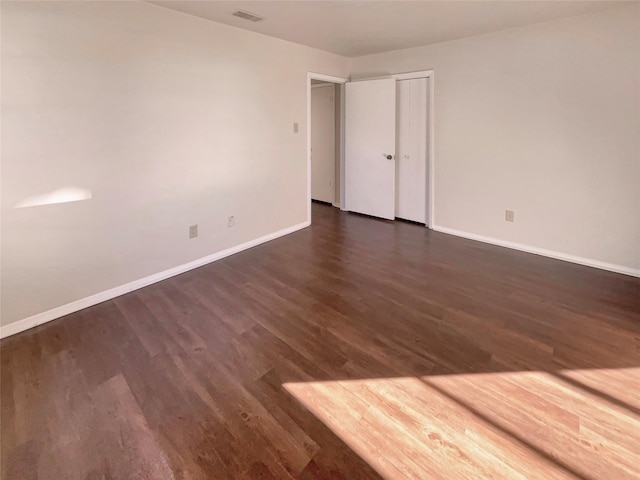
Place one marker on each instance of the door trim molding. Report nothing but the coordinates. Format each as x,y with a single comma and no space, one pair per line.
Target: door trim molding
330,79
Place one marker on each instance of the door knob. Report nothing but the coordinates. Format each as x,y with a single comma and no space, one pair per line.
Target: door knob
389,157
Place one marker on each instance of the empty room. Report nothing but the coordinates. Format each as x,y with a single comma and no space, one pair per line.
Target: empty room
344,240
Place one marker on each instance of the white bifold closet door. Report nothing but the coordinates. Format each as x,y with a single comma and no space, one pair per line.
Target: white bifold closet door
411,158
370,142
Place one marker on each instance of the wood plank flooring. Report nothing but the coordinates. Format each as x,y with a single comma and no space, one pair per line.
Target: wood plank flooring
355,349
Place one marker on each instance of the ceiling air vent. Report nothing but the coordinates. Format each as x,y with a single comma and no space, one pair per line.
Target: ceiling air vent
246,15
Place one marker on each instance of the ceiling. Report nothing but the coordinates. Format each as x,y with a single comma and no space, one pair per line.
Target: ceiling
354,28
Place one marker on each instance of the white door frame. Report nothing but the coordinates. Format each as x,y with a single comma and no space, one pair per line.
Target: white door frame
430,74
331,79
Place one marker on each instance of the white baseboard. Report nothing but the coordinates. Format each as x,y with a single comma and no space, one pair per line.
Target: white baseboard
612,267
61,311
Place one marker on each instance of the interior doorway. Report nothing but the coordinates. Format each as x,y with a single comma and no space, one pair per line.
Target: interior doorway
325,139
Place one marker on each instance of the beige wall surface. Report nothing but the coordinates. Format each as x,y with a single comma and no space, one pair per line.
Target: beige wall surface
543,120
167,120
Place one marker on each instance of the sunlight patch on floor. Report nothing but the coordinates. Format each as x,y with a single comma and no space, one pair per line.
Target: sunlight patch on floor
515,425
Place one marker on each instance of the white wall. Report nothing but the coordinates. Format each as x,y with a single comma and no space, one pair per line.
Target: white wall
543,120
169,120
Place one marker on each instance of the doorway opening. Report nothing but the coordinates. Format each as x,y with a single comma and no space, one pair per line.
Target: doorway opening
325,139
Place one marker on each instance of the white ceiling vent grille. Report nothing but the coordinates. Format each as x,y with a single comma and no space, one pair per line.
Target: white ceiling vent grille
247,15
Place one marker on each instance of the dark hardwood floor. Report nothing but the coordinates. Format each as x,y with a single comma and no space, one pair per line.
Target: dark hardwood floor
354,349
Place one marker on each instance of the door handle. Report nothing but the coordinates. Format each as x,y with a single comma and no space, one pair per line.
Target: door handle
389,157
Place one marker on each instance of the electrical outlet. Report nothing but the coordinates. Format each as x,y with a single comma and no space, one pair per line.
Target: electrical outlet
509,216
231,221
193,231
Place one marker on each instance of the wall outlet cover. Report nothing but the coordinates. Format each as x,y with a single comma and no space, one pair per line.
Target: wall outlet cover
509,215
